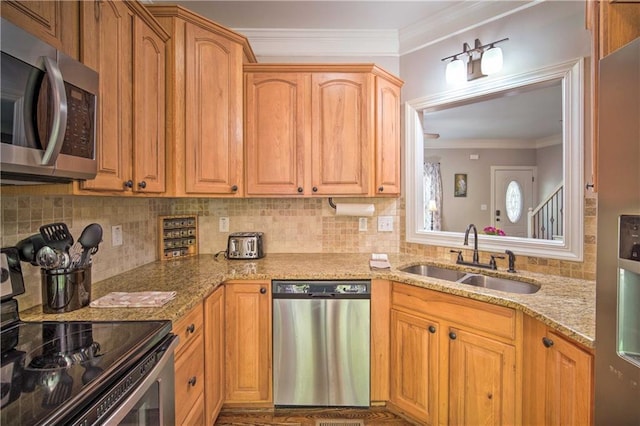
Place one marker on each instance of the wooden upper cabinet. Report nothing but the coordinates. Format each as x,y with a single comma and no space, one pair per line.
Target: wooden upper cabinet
387,140
341,133
277,129
613,24
127,47
55,22
204,104
213,142
619,24
321,130
149,109
107,34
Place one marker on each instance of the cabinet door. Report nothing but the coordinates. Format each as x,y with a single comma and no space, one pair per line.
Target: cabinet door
482,380
149,110
569,383
415,366
214,354
55,22
387,155
213,119
342,134
189,378
277,133
248,341
108,48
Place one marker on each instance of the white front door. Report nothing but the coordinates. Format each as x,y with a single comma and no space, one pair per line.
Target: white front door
512,195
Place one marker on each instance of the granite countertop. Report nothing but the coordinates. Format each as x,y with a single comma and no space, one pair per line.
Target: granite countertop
565,304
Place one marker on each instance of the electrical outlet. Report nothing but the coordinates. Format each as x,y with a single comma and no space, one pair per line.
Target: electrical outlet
385,224
116,235
362,224
223,224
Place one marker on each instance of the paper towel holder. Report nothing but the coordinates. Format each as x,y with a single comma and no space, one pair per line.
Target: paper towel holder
331,203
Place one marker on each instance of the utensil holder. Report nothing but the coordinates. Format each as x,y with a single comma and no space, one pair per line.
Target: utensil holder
65,290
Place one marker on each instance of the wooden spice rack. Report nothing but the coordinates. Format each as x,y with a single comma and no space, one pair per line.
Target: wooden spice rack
178,236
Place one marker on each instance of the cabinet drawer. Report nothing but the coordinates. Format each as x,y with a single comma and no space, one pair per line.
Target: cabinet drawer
189,327
189,378
496,320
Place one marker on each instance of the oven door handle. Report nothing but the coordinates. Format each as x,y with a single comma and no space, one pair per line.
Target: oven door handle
59,104
125,407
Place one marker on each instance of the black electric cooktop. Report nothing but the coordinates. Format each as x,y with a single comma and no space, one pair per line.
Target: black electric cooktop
51,370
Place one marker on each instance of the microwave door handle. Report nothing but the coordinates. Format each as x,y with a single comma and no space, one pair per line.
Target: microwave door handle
59,125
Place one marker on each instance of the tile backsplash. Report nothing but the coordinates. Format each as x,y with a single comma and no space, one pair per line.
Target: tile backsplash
22,216
290,225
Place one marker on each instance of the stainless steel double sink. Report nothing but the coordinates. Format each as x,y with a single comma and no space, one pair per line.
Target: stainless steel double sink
477,280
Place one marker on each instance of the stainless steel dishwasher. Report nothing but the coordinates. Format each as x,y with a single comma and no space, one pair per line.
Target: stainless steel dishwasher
321,343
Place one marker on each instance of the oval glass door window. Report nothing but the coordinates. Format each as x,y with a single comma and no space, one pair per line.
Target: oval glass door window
514,201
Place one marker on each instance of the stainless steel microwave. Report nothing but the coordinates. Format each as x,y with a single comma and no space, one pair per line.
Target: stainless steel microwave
48,112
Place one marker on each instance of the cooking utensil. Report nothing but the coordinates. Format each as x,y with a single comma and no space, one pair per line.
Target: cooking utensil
57,235
29,247
89,239
49,258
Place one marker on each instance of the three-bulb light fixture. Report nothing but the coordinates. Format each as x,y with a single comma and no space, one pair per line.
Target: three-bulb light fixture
482,60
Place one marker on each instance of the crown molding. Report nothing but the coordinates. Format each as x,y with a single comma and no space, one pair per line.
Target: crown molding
458,18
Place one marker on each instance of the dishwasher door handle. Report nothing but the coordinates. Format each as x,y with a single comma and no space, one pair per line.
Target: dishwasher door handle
322,295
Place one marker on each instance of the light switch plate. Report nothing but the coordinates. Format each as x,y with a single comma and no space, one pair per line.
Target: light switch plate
116,235
223,224
385,224
362,224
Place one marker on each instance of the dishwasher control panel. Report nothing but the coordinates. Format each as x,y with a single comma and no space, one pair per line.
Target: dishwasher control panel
321,288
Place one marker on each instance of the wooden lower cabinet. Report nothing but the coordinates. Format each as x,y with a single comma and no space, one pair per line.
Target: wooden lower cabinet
214,367
415,366
454,360
482,379
189,367
558,378
248,342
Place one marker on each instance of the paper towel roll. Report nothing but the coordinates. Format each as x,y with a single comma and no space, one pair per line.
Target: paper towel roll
351,209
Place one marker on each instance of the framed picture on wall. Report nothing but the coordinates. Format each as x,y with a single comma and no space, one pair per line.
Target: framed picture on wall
460,185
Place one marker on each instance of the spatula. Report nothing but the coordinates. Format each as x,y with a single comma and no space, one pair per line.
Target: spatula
57,235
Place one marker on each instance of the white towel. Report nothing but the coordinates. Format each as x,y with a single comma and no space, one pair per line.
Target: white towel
379,261
141,299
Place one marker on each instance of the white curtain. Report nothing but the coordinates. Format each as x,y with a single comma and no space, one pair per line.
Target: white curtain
432,192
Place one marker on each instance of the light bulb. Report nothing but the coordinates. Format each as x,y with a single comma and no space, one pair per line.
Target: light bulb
491,61
455,72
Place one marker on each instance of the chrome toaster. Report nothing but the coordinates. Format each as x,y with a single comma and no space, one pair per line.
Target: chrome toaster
245,245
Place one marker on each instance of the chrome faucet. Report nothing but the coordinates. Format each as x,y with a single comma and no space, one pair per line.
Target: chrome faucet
476,257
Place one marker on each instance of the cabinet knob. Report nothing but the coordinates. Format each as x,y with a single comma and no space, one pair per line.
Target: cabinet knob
300,189
192,381
234,188
547,342
432,329
452,335
191,328
142,185
314,189
380,188
263,290
128,184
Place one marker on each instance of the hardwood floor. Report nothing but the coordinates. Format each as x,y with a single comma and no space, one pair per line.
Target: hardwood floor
311,417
